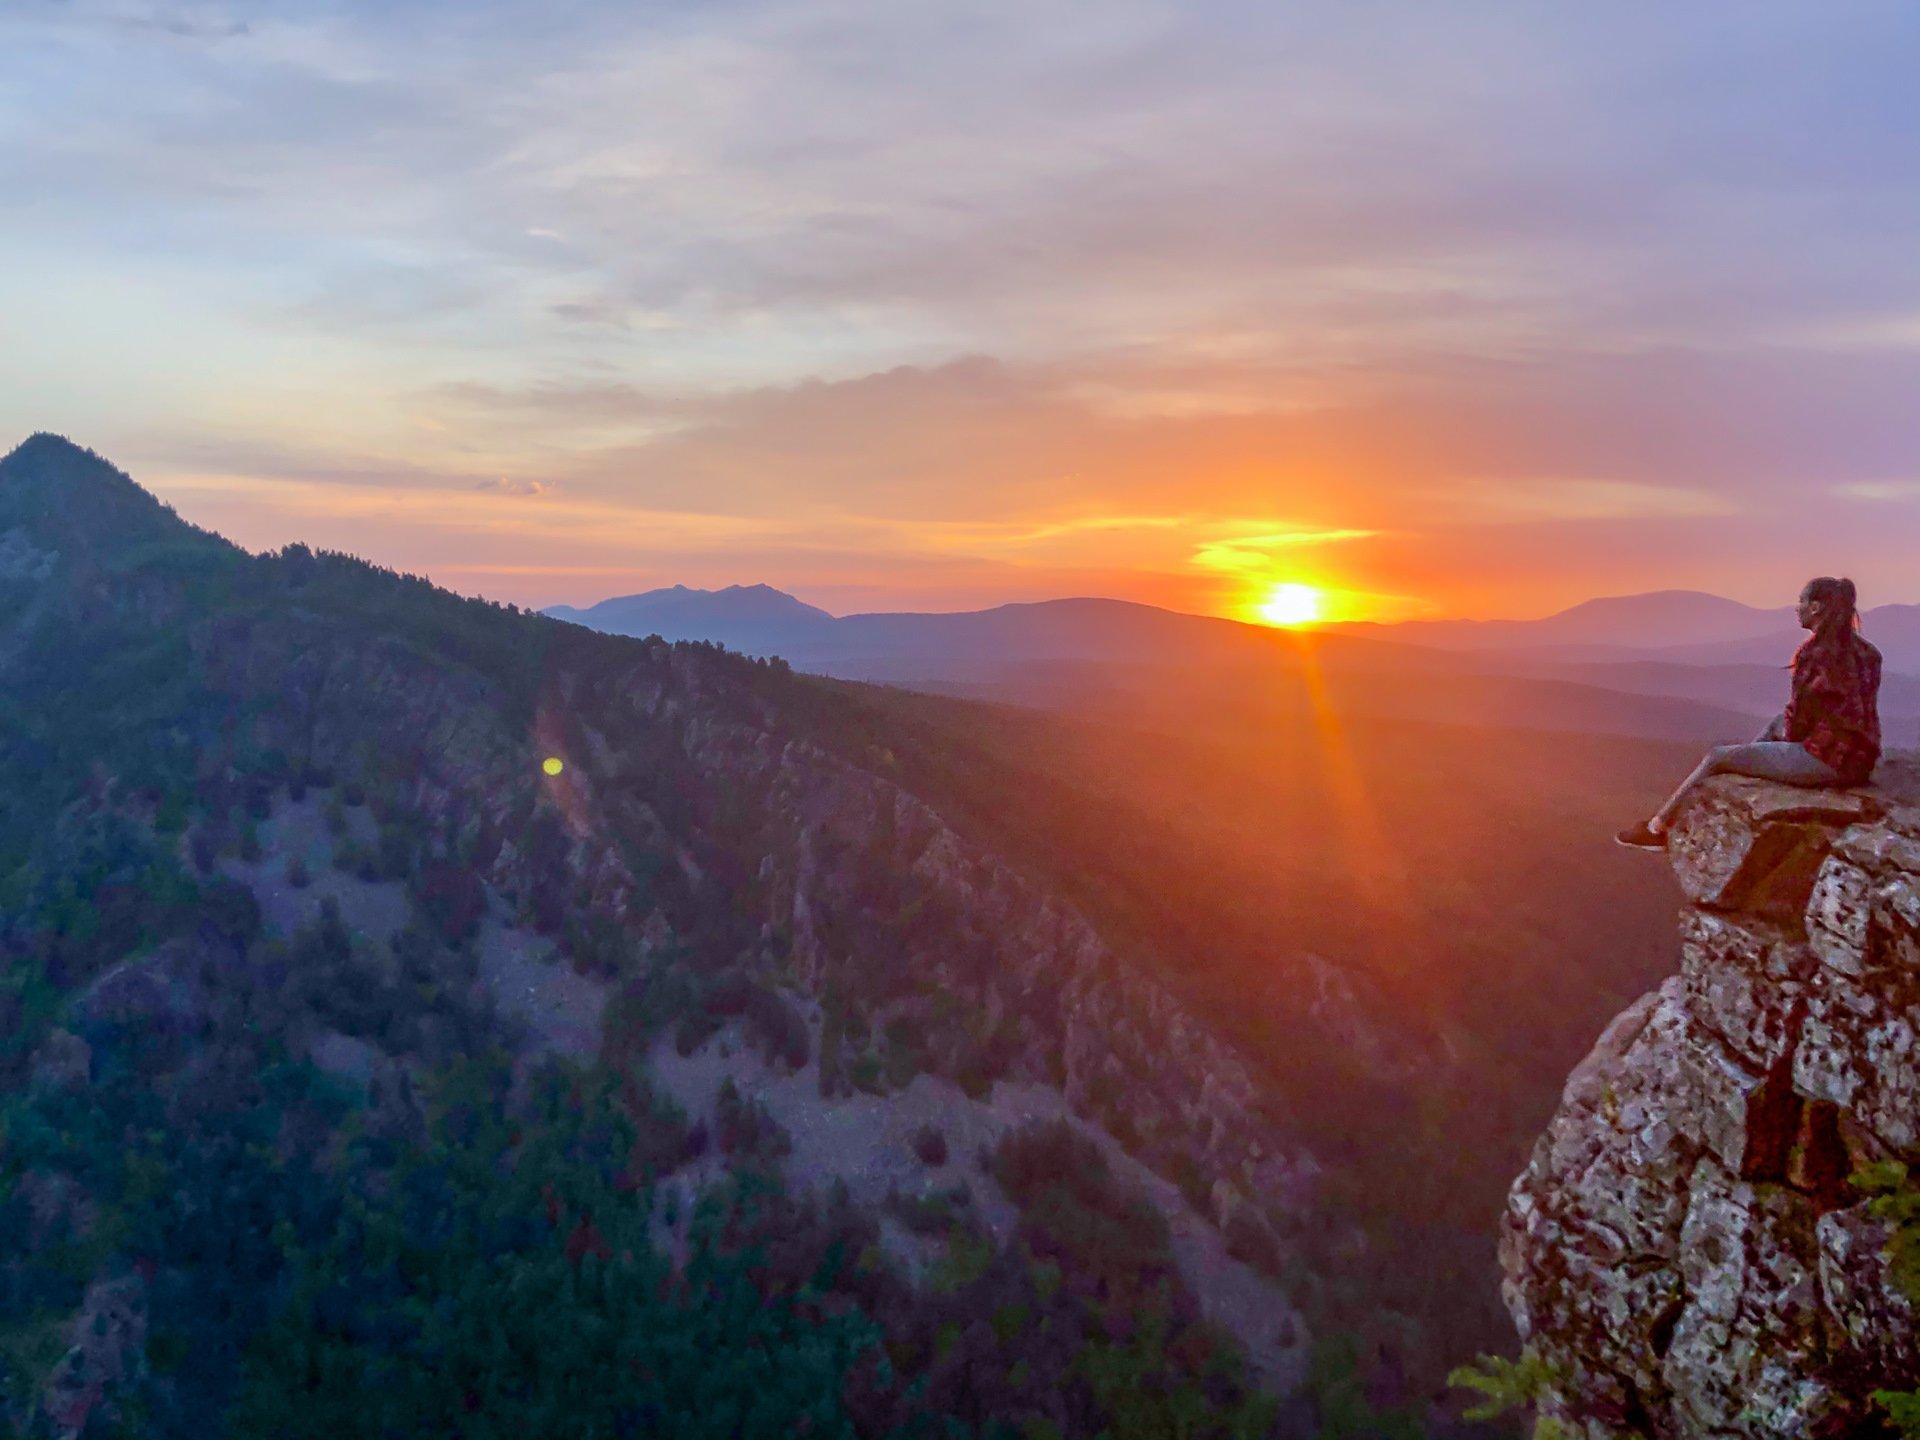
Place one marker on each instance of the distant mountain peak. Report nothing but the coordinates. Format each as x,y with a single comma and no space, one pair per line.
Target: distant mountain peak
44,456
68,499
736,615
1666,602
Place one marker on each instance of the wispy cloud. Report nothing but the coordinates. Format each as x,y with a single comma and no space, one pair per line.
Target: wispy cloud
504,485
1893,491
1588,498
1259,553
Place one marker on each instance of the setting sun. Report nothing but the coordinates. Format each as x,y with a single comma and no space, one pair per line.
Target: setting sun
1292,604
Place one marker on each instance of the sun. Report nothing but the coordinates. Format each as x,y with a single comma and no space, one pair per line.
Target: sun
1291,604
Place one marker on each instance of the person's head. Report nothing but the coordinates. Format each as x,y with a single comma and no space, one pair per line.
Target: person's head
1827,607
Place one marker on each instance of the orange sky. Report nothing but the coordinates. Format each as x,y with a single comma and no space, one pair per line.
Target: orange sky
974,483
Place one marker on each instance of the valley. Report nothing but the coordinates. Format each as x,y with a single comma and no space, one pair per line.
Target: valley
1210,1007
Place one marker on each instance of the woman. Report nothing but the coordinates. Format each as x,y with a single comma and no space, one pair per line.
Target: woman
1829,734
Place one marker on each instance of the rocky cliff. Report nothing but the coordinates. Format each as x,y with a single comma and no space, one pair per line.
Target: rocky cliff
1700,1245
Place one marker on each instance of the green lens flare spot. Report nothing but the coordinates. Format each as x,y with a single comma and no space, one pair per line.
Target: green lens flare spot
552,765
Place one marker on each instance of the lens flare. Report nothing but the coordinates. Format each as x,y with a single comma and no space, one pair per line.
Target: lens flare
552,765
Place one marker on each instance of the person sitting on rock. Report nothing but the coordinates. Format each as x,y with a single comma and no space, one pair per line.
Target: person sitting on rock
1829,734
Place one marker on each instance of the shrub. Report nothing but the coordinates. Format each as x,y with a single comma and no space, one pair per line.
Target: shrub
746,1128
1505,1384
170,816
865,1073
930,1144
728,993
230,910
777,1024
1252,1241
597,945
1903,1410
832,1063
696,1027
697,1140
1074,1209
454,899
898,1068
932,1213
204,846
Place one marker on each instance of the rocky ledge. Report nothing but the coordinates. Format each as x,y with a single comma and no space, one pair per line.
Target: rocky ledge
1699,1245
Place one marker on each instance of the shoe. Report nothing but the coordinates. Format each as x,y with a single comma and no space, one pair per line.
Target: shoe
1642,837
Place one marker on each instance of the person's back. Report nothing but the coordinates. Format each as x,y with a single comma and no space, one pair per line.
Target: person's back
1835,709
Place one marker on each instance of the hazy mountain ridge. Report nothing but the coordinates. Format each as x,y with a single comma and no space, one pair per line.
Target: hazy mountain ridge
1039,653
1675,626
1656,620
1081,628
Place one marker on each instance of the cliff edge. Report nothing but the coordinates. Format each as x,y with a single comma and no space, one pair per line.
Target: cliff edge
1699,1244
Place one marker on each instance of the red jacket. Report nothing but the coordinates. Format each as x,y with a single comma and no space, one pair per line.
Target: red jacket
1834,711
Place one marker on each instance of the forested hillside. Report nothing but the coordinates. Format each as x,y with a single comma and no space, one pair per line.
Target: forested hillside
419,1015
1416,930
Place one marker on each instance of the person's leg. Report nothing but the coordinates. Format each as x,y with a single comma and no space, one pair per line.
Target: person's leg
1786,761
1709,765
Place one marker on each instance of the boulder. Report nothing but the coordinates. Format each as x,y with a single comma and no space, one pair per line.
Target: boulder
1754,846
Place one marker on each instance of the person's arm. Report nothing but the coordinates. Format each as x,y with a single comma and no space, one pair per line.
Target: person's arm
1818,688
1776,728
1796,721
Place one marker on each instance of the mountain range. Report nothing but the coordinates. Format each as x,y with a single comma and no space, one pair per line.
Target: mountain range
1669,665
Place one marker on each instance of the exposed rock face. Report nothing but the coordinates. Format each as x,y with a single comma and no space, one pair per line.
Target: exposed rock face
107,1351
1687,1250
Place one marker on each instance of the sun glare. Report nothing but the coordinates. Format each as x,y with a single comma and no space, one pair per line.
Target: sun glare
1291,604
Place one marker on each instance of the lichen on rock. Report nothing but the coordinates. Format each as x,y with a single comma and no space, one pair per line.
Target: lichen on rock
1689,1251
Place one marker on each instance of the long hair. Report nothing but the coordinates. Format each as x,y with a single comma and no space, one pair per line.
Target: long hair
1837,621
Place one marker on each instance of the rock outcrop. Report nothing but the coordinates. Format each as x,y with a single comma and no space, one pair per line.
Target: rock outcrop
1690,1251
106,1351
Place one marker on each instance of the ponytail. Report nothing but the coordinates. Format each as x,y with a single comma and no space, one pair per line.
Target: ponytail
1838,620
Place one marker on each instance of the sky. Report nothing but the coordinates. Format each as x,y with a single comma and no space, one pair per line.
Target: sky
1462,309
